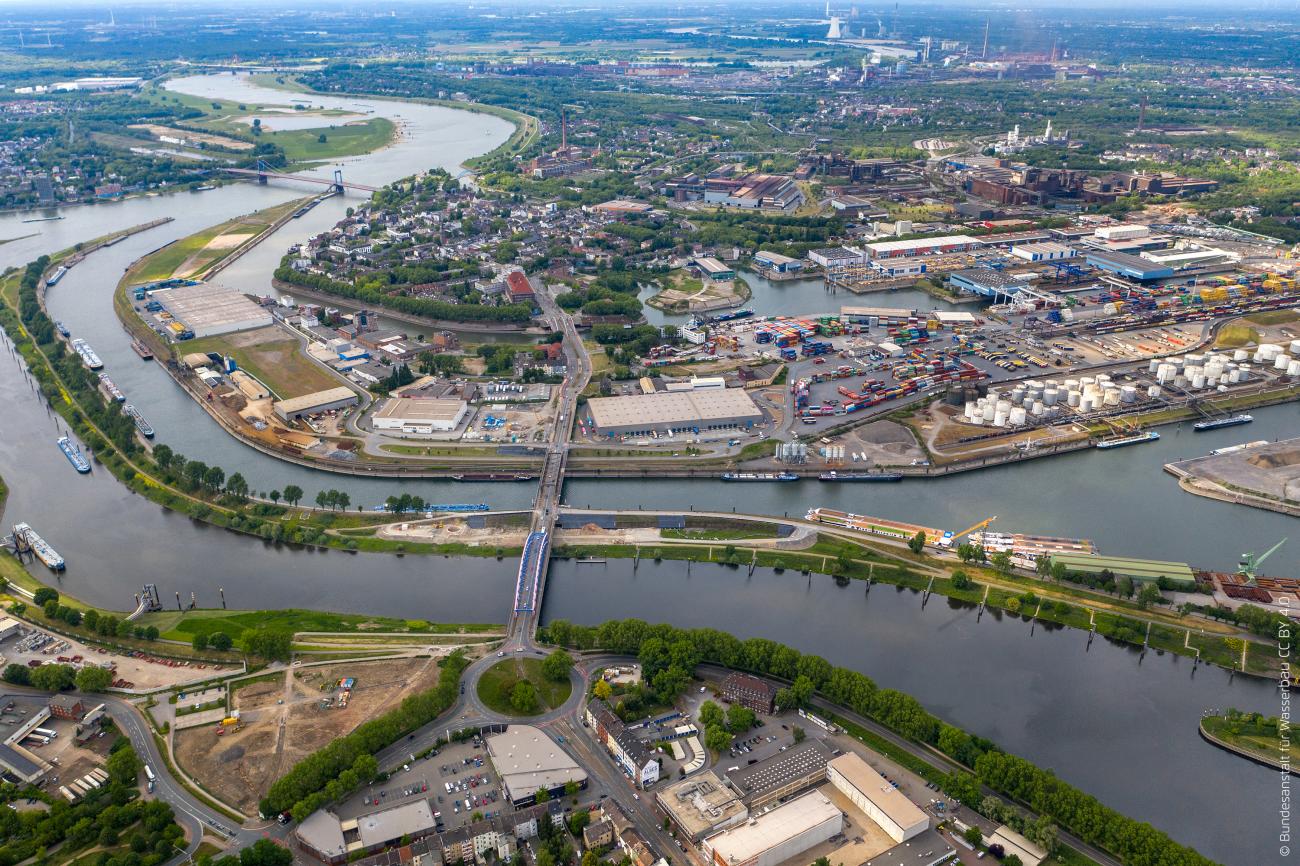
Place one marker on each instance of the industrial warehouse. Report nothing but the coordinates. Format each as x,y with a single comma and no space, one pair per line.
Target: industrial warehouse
205,309
778,835
679,411
420,415
528,761
313,404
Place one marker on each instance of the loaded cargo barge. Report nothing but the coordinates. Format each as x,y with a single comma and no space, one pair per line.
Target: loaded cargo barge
1216,423
1136,439
880,526
140,424
111,389
860,476
88,356
493,476
141,349
74,455
759,476
26,539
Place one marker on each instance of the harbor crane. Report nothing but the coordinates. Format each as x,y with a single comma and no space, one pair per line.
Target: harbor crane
976,528
1251,562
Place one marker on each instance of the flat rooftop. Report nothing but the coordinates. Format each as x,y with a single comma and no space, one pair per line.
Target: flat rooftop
421,409
768,831
673,408
211,306
314,399
1152,568
797,762
526,760
884,796
380,828
701,802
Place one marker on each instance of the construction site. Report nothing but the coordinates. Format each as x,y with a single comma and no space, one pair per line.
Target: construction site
274,720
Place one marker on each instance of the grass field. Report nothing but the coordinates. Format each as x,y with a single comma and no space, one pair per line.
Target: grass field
1232,336
197,252
175,625
498,681
304,145
274,357
1274,317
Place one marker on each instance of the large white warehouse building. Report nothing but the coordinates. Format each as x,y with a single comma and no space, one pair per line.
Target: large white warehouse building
880,801
776,836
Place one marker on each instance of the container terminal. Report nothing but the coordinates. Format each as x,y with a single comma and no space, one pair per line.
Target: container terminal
26,540
74,455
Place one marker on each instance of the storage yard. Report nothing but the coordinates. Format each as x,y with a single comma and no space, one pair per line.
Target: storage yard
287,716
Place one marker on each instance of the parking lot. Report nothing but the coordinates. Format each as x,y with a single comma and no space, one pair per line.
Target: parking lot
32,646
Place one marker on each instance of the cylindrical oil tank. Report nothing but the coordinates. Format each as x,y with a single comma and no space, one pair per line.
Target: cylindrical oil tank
1280,362
1017,417
1000,418
1128,394
1153,391
1050,396
1073,398
1240,355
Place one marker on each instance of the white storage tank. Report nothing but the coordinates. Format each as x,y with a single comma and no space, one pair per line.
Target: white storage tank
1293,368
1240,355
1153,391
1198,381
1000,418
989,410
1153,365
1085,404
1050,396
1039,409
1295,347
1017,417
1235,377
1128,394
1112,397
1280,362
1073,398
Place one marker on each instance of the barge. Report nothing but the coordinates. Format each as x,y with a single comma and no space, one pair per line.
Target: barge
88,356
25,538
861,476
140,424
759,476
493,476
1135,439
62,329
56,276
111,389
1217,423
142,349
74,455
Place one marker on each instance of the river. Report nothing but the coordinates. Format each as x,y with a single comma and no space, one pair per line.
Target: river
1119,729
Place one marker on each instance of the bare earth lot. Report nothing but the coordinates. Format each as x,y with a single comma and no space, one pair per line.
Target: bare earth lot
239,767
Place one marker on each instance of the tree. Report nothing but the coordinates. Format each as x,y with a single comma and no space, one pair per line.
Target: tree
272,645
799,733
320,139
973,835
343,500
555,667
43,595
603,690
542,795
237,486
264,852
214,478
961,580
965,551
740,718
716,738
219,640
19,675
292,494
1001,561
162,455
93,679
917,543
274,496
53,678
322,499
1149,595
710,714
200,642
523,698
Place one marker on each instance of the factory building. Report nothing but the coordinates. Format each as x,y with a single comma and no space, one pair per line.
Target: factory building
28,712
701,805
987,282
801,766
1125,265
420,415
776,263
778,835
312,404
1048,251
205,309
712,269
755,191
837,258
647,414
921,246
528,761
1138,570
880,801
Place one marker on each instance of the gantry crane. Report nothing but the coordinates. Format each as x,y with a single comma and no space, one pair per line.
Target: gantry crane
1250,562
975,528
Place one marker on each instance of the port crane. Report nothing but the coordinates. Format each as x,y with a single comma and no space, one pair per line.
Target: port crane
1251,562
976,528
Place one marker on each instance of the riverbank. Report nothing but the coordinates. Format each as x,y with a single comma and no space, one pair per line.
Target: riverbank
1256,740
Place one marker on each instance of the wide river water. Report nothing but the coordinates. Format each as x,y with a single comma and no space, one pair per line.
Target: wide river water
1123,730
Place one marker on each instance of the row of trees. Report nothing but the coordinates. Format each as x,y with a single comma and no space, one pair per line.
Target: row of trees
1134,842
57,678
349,762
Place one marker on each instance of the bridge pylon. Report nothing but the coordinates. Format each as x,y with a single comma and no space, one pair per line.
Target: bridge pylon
338,181
262,169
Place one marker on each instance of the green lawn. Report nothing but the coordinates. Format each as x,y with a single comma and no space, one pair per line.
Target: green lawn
304,145
277,359
175,625
496,684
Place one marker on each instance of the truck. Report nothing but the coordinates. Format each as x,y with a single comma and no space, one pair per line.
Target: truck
149,776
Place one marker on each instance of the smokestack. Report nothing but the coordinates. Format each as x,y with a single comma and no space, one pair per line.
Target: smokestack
1142,113
985,52
564,131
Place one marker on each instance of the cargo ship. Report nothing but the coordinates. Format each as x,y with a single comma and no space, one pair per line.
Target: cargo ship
860,476
111,389
493,476
62,329
141,349
56,276
1135,439
88,356
26,538
74,455
734,315
759,476
1216,423
140,424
